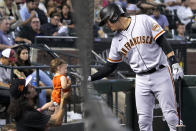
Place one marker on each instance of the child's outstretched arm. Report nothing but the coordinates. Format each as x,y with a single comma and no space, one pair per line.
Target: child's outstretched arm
45,106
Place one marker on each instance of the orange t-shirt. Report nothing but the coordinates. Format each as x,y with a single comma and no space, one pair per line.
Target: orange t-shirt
56,93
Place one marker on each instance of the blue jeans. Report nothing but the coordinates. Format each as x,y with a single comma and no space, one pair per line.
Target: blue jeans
45,79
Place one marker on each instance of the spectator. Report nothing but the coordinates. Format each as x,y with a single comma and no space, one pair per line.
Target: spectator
132,9
122,3
51,28
185,14
22,108
97,9
60,83
8,57
180,32
68,2
161,19
50,6
27,12
24,60
172,5
145,7
10,9
67,18
27,33
6,40
41,15
42,6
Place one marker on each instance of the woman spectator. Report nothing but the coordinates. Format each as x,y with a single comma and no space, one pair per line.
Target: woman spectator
68,2
24,60
67,17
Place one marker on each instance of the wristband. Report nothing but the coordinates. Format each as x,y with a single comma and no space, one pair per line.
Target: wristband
172,60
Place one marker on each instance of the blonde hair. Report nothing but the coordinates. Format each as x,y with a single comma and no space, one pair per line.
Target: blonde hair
55,63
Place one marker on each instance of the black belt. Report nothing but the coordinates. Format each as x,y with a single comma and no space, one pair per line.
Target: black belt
152,70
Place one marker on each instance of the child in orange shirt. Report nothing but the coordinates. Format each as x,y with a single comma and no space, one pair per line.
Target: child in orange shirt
60,82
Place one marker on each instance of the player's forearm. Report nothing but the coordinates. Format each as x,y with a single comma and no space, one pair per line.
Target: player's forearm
105,71
162,41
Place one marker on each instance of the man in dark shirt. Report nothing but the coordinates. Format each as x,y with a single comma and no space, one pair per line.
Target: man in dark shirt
51,29
28,33
21,108
42,16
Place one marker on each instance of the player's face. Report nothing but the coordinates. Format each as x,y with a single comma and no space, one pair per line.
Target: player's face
112,26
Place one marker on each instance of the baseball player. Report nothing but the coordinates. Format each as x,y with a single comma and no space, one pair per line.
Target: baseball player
139,42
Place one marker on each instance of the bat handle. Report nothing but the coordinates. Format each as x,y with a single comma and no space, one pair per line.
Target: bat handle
179,100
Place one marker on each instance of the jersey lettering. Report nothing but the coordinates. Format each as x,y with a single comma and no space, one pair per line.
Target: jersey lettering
136,40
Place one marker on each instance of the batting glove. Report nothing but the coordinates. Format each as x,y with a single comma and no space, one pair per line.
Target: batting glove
177,71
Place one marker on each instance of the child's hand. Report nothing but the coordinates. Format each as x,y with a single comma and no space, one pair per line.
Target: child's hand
39,109
68,81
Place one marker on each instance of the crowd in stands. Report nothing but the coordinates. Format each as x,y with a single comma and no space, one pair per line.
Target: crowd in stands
22,20
170,14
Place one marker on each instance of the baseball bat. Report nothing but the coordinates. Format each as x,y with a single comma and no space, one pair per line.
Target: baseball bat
180,126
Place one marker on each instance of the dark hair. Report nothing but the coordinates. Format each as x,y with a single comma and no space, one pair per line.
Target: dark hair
18,101
54,13
21,62
28,1
55,63
180,24
66,5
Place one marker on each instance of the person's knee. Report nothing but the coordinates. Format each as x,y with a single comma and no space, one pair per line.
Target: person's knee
145,120
171,117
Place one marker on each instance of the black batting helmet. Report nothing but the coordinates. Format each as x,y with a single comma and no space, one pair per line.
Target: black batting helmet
111,12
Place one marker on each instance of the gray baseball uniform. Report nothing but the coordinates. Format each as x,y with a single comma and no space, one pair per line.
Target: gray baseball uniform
137,46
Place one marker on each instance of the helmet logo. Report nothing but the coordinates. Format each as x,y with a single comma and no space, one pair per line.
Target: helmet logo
114,18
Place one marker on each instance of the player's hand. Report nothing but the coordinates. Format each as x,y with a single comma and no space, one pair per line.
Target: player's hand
177,71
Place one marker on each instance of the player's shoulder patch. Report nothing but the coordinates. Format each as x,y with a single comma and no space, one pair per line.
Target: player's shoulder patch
156,27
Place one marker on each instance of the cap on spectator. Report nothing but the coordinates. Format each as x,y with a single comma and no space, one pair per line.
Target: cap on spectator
9,53
18,87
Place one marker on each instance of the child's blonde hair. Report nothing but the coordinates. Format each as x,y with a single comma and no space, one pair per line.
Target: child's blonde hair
55,63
